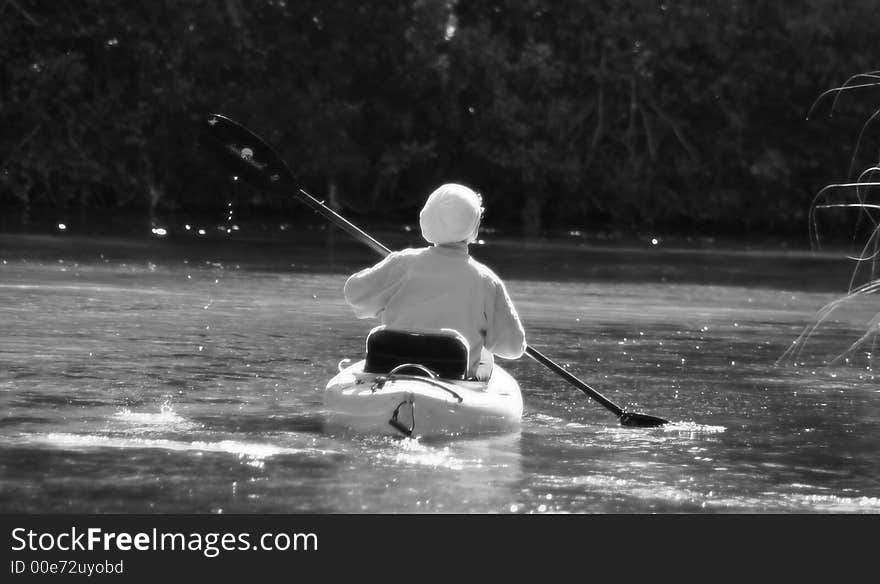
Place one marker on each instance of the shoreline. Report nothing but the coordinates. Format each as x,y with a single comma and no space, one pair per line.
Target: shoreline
318,237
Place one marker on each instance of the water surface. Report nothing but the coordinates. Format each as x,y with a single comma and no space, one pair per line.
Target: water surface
148,376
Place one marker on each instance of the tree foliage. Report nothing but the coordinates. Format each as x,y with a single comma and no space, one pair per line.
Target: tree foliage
640,114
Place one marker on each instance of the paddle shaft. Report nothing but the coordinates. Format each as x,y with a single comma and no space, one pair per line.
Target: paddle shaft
343,223
532,352
559,370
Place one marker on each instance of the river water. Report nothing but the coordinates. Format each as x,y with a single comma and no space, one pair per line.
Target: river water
177,376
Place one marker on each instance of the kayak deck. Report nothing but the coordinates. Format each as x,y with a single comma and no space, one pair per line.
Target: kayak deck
406,404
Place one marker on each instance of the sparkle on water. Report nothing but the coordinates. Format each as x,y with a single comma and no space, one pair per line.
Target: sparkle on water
146,377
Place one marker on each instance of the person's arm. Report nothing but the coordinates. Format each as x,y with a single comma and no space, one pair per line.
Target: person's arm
505,336
368,291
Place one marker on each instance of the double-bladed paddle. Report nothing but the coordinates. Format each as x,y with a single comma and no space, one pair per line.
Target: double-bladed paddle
250,158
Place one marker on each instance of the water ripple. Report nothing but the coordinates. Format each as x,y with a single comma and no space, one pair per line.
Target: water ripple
247,450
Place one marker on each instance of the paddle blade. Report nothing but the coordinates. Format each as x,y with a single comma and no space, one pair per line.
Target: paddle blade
641,420
244,154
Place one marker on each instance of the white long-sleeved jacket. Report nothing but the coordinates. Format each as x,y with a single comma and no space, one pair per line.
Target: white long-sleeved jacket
427,289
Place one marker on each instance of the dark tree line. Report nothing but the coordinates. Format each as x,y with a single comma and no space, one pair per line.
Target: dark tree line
567,114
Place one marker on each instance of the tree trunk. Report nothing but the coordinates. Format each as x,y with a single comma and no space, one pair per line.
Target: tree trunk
631,124
599,130
531,217
332,196
154,191
234,9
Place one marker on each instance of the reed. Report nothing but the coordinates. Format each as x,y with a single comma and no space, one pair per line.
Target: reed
857,193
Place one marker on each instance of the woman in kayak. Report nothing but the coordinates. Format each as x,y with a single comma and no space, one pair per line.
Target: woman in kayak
441,287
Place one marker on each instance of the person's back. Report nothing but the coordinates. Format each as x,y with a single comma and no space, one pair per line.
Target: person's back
442,287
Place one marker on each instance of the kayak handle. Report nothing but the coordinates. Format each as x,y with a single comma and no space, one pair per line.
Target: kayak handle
422,368
397,424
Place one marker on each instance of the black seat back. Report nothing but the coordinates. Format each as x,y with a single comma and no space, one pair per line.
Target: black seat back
446,354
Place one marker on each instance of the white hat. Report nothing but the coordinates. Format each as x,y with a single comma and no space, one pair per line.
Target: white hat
451,213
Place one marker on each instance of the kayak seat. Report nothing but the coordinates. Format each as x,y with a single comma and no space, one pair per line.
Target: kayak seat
446,354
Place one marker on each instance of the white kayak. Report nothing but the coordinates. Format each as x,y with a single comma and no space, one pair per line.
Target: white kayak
401,403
